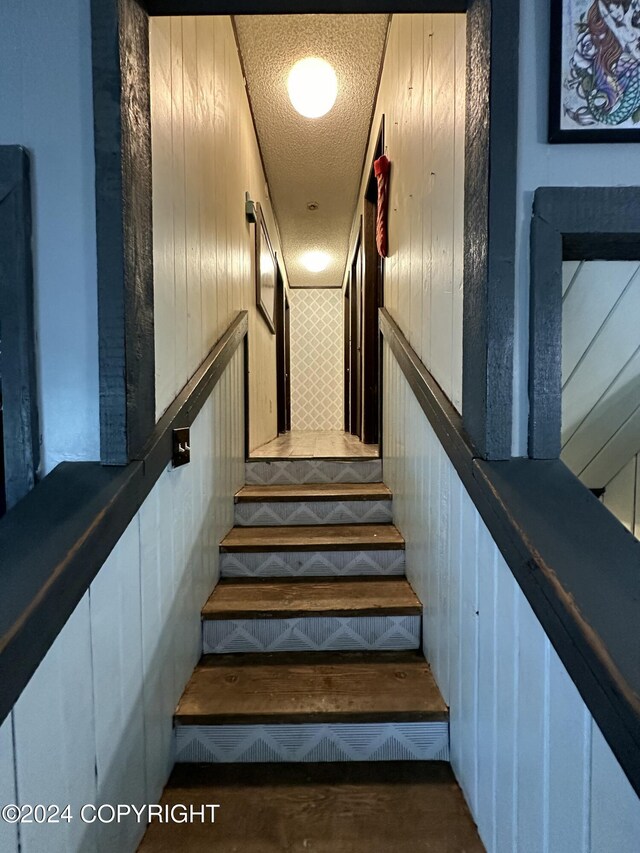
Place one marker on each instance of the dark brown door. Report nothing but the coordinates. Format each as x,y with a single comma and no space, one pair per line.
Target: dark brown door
281,355
355,408
347,358
287,363
372,300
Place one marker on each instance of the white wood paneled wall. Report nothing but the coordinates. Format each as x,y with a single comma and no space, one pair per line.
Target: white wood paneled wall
600,368
622,496
94,724
8,831
205,157
422,96
534,767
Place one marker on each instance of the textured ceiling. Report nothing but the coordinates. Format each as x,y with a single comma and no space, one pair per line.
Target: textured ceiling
313,160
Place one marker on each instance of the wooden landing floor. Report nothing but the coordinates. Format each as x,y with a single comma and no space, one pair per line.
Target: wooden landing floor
386,807
315,445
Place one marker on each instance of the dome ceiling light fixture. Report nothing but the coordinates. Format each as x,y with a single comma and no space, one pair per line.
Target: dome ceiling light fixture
315,261
312,87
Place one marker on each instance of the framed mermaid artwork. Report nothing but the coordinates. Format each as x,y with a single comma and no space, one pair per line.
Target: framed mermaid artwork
595,71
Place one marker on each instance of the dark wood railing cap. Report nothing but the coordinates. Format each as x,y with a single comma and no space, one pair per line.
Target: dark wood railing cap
577,566
54,541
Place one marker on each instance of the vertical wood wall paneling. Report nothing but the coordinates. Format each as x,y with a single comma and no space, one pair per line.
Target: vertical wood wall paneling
118,685
178,179
458,209
569,772
422,95
55,739
615,814
622,496
205,158
505,833
94,724
443,169
157,597
488,653
415,159
164,295
427,199
193,129
8,794
532,722
205,46
532,764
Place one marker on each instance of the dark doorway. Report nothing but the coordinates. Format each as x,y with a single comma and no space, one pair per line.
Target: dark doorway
287,363
282,356
372,279
3,500
347,356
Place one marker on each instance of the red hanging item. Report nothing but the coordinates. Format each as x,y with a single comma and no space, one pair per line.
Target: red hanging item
381,169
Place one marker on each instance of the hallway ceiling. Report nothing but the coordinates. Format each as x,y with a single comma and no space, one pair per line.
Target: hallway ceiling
313,160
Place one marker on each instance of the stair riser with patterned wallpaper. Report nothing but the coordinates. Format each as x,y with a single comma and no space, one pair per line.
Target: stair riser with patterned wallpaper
319,742
312,633
312,563
297,471
289,513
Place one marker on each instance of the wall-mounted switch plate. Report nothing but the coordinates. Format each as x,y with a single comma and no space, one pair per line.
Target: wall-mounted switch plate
181,447
249,208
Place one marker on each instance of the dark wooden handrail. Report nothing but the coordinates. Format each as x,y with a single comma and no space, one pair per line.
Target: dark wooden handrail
278,7
54,541
576,564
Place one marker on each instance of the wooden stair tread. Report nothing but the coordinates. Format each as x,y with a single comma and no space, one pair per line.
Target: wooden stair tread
352,807
314,492
317,537
286,599
311,687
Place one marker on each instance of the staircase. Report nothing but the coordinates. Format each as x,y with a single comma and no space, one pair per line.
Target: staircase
312,648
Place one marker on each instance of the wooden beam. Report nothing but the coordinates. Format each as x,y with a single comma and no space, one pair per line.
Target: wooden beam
489,224
122,128
17,353
302,7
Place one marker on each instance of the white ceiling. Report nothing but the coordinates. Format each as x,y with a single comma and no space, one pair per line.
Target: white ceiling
313,160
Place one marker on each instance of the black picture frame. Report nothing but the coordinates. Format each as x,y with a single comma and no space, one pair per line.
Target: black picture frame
558,72
266,272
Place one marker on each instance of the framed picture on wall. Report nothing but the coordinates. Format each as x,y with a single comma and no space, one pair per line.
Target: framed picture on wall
266,272
595,71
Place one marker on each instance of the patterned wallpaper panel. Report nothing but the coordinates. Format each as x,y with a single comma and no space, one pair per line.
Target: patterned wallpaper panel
316,359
